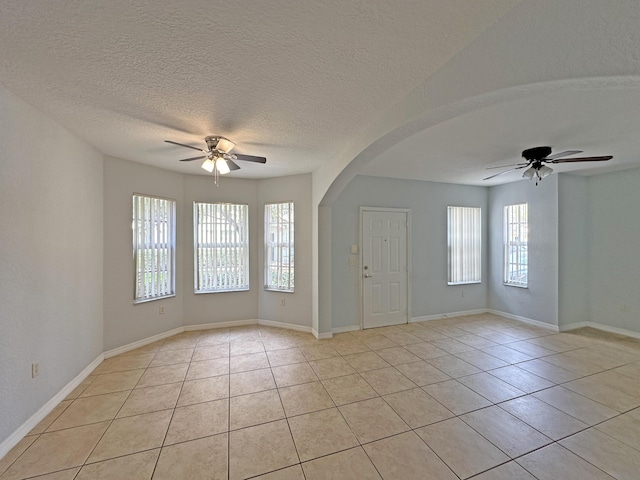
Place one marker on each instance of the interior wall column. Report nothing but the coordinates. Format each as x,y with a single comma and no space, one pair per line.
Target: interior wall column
321,318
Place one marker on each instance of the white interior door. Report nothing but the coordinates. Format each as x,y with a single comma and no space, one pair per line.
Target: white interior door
384,267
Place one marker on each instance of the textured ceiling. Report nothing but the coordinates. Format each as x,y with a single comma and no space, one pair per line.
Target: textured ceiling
289,80
598,121
561,74
310,85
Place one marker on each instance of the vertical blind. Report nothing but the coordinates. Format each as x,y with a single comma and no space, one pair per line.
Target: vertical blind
516,233
221,247
464,244
154,244
279,242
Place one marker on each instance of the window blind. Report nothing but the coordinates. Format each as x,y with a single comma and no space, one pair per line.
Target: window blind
516,233
221,247
464,245
279,246
154,240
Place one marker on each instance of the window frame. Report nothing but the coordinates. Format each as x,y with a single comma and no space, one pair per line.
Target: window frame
169,240
469,246
521,223
288,246
244,244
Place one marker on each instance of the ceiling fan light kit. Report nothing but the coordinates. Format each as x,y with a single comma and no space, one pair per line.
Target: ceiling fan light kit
208,165
222,166
528,173
218,160
537,157
538,172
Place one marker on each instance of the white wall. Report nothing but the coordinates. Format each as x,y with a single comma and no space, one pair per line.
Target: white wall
428,201
297,308
220,307
51,262
124,321
573,250
614,234
540,300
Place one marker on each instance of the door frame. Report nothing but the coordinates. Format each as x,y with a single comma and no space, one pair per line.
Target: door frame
406,211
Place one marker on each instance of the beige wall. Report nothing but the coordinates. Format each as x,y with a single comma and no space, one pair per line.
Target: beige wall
125,323
297,308
51,241
229,306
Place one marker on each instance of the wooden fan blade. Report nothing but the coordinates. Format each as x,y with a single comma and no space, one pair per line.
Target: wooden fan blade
581,159
192,158
188,146
232,165
506,171
562,154
248,158
506,166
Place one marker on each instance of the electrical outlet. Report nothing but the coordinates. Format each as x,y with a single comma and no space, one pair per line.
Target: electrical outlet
624,308
462,293
35,369
161,310
282,302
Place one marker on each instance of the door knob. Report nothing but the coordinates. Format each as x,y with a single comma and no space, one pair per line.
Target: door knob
366,275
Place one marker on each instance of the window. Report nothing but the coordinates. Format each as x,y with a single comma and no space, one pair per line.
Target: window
464,244
221,247
154,247
516,232
278,235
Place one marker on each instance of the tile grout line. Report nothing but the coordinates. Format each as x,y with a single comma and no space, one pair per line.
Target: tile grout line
113,419
525,393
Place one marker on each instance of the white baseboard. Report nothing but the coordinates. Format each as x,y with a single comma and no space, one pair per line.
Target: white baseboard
321,336
598,326
22,431
175,331
348,328
440,316
287,326
141,343
531,321
240,323
13,439
202,326
210,326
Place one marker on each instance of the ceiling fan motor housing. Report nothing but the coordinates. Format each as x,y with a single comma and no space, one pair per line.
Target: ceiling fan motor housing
537,153
213,141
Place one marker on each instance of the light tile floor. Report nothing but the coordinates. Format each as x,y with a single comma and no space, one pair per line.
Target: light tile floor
470,397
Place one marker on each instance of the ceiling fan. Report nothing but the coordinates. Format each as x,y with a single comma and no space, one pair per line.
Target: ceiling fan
218,158
537,157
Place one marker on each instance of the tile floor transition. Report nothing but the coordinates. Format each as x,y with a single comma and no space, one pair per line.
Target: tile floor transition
478,397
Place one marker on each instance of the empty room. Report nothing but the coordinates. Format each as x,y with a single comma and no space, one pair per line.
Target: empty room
319,240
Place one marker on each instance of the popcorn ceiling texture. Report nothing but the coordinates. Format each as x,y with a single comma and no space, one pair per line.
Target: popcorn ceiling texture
291,80
330,87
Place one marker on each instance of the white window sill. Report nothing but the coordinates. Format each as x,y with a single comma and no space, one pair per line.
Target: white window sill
514,285
147,300
267,289
198,292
